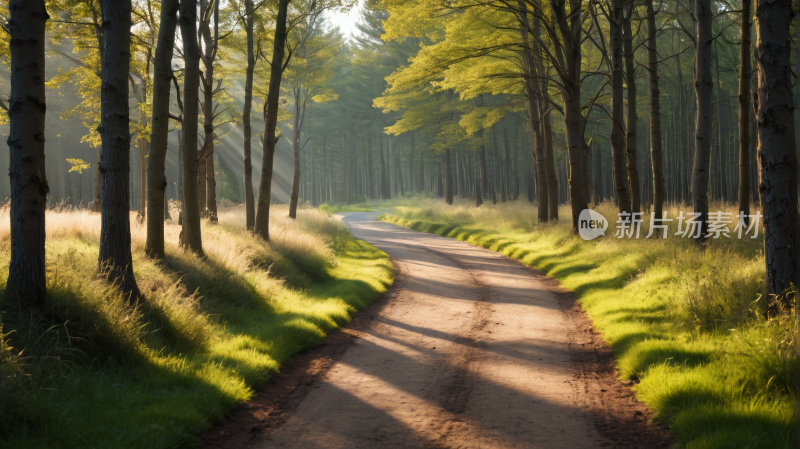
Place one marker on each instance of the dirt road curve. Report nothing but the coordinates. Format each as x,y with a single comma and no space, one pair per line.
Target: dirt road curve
469,349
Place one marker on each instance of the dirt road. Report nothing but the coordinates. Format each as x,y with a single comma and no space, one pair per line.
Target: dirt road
469,349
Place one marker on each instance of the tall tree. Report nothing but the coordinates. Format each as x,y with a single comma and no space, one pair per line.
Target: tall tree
703,85
206,181
190,235
156,165
249,27
631,118
656,156
776,150
115,259
26,111
277,66
744,113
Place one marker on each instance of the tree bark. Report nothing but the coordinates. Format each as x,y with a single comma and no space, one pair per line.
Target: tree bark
115,261
159,136
249,200
657,158
411,184
270,121
777,145
703,84
190,236
630,135
26,111
744,114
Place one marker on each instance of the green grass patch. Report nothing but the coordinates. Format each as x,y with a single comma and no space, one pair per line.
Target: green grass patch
688,325
96,373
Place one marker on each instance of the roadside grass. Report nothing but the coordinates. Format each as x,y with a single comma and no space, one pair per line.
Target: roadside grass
688,326
96,373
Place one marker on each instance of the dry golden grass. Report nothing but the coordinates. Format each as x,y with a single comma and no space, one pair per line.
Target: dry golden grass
203,332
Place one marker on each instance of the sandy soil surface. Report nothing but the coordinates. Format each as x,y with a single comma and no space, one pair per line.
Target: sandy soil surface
469,349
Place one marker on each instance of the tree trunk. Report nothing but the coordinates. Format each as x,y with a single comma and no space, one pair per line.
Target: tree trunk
630,135
250,207
777,146
411,184
448,177
550,168
26,112
209,57
115,259
296,153
190,235
270,121
744,114
98,181
655,114
618,151
159,136
703,88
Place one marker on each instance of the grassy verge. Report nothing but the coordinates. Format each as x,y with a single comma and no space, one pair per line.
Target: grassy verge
96,374
688,325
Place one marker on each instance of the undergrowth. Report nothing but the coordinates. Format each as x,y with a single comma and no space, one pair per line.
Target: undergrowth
688,325
91,371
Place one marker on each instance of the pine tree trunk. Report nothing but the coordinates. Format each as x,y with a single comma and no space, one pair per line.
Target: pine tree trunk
115,259
26,111
448,177
630,135
744,113
249,200
270,122
411,184
703,126
550,167
296,154
777,145
618,151
190,235
655,114
209,57
159,136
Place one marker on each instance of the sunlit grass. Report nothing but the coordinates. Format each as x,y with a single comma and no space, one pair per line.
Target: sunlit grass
688,324
97,373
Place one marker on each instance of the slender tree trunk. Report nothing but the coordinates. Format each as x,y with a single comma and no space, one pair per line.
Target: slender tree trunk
115,259
630,135
744,113
448,177
655,113
385,193
296,154
190,235
26,111
159,137
618,151
703,127
249,200
411,184
270,121
550,168
777,145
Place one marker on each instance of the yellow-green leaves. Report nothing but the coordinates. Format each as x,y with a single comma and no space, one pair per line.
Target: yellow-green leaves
78,165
